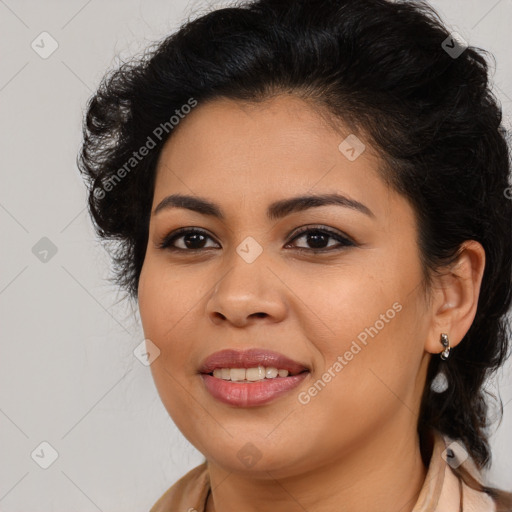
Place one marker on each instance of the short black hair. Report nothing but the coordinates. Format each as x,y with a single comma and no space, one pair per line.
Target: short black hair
389,71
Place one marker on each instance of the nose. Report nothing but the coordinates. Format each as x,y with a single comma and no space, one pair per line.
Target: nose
247,293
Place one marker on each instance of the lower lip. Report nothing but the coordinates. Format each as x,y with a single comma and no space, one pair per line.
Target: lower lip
251,394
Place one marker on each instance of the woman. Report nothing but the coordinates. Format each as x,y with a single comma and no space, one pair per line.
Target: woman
310,203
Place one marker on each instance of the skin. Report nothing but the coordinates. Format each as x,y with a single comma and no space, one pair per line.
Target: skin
354,446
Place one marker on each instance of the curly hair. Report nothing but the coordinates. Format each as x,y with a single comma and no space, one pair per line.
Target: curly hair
384,70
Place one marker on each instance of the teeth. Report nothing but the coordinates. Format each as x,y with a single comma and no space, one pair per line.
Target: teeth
237,374
271,373
249,374
253,374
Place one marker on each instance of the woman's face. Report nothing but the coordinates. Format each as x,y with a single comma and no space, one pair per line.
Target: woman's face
353,313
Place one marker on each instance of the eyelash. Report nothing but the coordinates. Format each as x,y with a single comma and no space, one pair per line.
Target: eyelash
344,241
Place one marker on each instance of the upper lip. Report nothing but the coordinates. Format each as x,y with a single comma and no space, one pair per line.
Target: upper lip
250,358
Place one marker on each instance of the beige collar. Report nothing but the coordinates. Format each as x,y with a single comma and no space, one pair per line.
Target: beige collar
444,491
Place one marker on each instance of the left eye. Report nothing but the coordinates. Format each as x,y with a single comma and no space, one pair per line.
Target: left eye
195,239
317,238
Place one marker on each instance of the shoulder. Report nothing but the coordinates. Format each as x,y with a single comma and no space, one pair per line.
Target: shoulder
477,501
187,494
464,479
453,481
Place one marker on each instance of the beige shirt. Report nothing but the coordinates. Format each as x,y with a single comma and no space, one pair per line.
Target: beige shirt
441,492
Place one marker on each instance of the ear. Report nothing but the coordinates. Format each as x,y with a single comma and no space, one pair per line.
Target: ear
455,295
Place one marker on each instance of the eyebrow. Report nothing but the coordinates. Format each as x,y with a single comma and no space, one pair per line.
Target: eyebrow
275,211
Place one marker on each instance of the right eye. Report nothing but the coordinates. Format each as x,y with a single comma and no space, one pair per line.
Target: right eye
192,239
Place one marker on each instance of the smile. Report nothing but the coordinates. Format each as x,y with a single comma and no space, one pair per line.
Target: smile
245,393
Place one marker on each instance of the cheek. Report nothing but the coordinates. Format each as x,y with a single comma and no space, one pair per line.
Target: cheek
342,305
166,305
372,338
165,296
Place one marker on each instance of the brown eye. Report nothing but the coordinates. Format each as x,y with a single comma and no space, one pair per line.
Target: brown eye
318,239
190,239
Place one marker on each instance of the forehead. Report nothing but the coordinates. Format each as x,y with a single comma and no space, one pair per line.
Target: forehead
284,139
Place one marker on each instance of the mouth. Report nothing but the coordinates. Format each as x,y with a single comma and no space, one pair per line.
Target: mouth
253,374
250,378
250,360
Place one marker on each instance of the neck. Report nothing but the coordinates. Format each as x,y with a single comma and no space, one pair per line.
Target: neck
384,474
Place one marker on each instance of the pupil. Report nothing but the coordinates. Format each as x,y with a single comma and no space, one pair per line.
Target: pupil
317,239
194,237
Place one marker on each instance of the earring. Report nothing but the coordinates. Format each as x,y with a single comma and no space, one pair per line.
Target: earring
446,344
439,383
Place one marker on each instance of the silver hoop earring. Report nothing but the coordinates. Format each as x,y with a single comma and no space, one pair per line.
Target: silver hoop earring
446,344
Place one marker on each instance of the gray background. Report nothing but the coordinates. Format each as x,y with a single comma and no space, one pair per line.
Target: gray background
68,375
